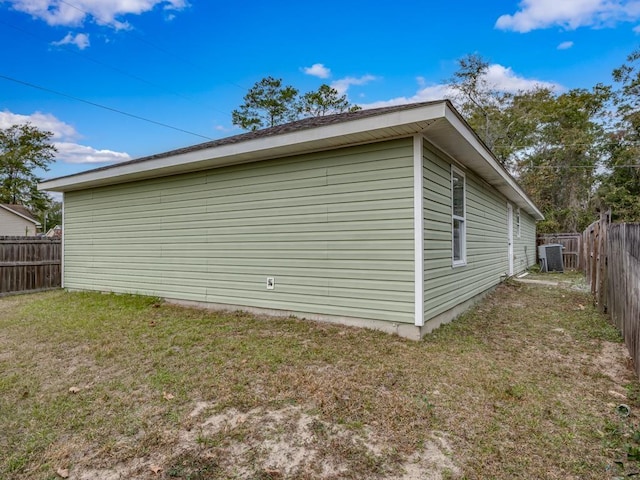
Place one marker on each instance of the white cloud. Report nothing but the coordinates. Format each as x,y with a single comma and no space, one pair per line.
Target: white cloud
505,79
225,129
565,45
569,14
317,70
343,84
44,121
74,153
63,134
499,77
102,12
81,40
424,94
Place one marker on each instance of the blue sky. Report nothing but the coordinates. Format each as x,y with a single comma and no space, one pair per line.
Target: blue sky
187,64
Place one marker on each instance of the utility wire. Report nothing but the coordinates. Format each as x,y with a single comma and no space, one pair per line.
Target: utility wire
106,65
580,166
141,39
157,47
98,105
138,117
555,146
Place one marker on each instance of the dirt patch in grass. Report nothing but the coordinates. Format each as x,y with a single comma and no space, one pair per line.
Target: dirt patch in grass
284,443
526,385
609,360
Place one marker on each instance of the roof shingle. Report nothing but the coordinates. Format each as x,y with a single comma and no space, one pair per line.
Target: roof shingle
299,125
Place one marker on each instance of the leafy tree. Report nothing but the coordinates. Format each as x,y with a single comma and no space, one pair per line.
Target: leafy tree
481,103
620,185
558,168
24,149
52,216
516,125
504,121
619,188
552,142
268,103
325,101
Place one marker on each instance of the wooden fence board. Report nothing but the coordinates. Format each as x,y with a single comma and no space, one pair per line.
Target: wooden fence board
623,300
572,253
29,264
612,267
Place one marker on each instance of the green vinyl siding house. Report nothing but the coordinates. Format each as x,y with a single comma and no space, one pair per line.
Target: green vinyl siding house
394,218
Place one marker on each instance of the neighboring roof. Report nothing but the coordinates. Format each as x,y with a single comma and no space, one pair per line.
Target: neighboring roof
21,211
54,232
438,121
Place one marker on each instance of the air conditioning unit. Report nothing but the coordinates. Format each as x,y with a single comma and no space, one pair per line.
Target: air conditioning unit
551,257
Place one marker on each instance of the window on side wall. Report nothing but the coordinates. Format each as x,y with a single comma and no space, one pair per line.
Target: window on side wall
518,223
458,214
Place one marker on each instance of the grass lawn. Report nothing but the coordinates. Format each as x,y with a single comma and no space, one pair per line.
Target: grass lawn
526,386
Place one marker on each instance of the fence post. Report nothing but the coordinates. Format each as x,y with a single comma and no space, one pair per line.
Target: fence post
602,265
594,260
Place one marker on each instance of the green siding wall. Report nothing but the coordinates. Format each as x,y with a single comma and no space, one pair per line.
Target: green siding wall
486,238
524,248
334,228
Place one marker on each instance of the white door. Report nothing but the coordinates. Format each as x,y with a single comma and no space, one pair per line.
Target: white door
510,237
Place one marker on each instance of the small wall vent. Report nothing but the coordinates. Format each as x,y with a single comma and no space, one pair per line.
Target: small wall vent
551,257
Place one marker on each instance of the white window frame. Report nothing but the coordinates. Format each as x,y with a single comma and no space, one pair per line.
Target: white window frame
518,222
463,234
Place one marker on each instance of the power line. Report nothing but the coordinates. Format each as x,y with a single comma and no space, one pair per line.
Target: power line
564,145
579,166
184,60
115,69
153,45
98,105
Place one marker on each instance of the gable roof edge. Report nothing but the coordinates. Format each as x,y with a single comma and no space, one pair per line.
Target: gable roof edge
461,125
9,209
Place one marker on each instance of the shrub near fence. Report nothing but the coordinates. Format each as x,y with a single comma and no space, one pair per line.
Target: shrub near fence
29,264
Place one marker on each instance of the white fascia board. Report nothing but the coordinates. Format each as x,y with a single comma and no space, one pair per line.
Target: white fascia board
259,148
488,157
64,231
35,222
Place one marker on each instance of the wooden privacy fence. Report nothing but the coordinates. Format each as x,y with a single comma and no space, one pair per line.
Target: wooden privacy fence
612,268
594,258
29,264
623,280
571,253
